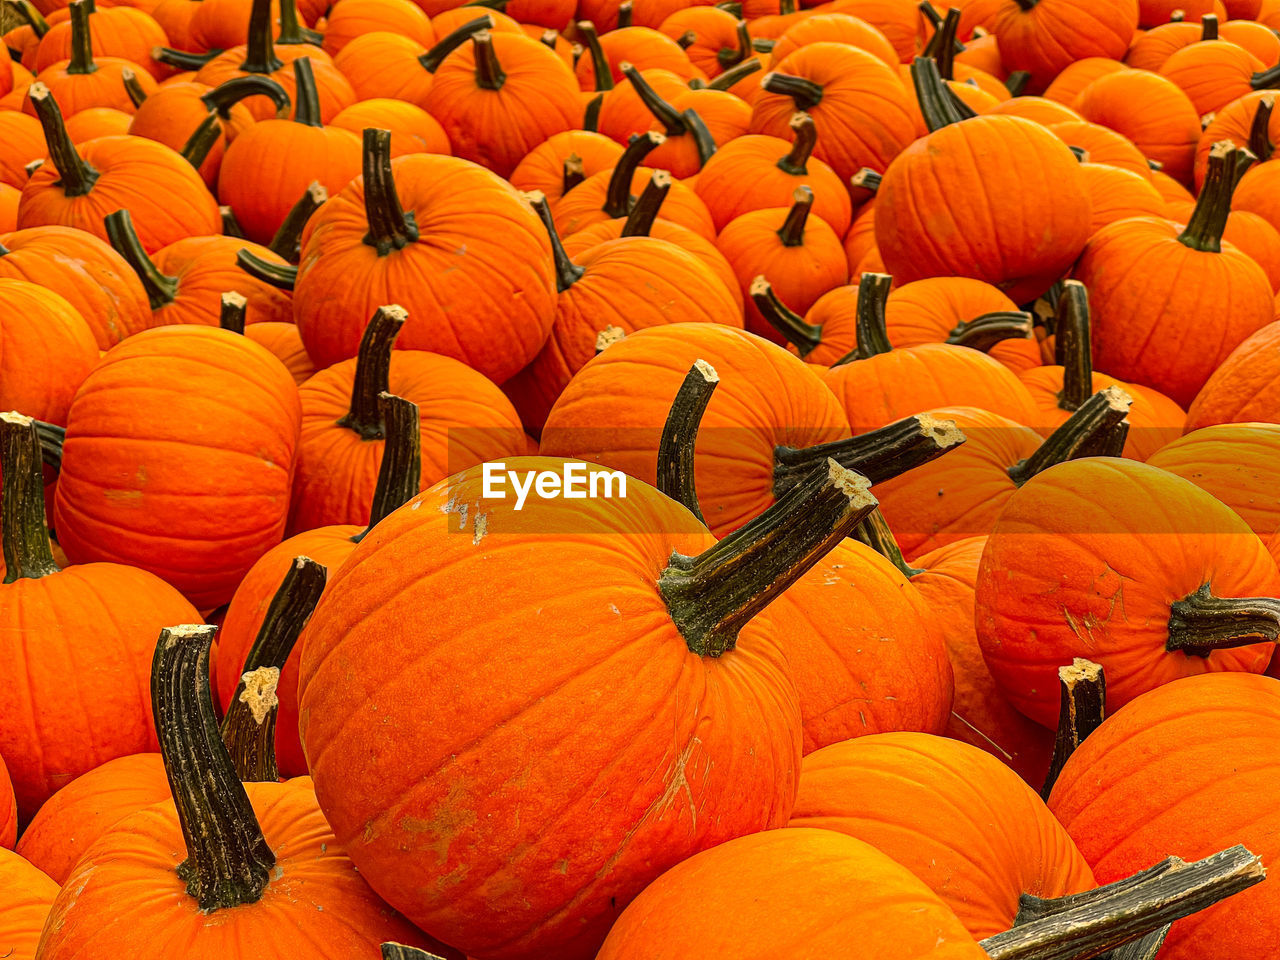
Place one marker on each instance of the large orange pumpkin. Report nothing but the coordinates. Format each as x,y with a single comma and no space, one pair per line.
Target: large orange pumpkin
48,350
28,896
9,806
1044,36
1246,385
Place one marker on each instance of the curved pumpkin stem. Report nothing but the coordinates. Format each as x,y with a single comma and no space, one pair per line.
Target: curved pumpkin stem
282,277
804,92
432,59
231,314
600,68
878,455
260,51
52,437
373,372
732,56
875,533
1227,164
942,46
667,115
680,436
1260,129
805,337
939,105
734,75
203,139
712,596
249,728
31,17
1082,708
288,239
230,225
792,231
567,272
806,138
1074,438
1200,623
27,551
1072,345
400,473
137,96
162,289
398,951
391,227
984,332
77,176
81,39
183,59
618,198
640,220
228,861
308,98
871,325
489,72
226,95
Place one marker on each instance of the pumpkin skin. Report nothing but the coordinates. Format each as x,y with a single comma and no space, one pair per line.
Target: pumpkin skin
715,46
956,817
1040,109
1072,81
284,342
836,28
46,351
1212,73
644,48
542,168
352,20
823,887
478,284
98,122
334,89
28,896
1058,563
630,385
1150,49
584,205
122,32
87,807
8,810
117,501
1247,232
1215,737
932,220
413,130
748,770
1245,387
1104,145
1047,36
384,64
23,141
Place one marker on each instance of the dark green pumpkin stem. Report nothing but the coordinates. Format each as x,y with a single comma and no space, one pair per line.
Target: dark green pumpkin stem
735,74
805,93
591,115
805,337
680,436
1073,350
1095,418
27,551
228,861
1266,79
1026,6
870,322
137,96
292,32
230,225
938,104
398,951
984,332
400,473
880,454
52,438
279,275
731,7
373,373
1016,82
489,72
667,115
945,51
796,161
640,220
866,179
935,21
287,241
732,56
182,59
600,68
260,51
391,227
624,14
1227,164
305,94
1082,707
249,728
162,290
619,199
499,5
687,39
712,596
1260,129
203,139
548,39
76,177
432,59
567,272
875,533
792,231
31,16
1208,27
231,315
81,39
574,172
1201,623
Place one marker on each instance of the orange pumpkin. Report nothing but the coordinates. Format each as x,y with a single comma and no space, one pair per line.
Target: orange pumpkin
354,18
1213,73
1046,36
1103,145
28,896
1245,387
122,32
563,161
413,130
48,351
1250,121
22,142
385,64
644,47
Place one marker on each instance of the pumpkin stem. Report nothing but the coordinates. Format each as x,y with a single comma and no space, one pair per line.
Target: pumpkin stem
608,337
77,177
499,5
308,98
1026,6
203,138
805,337
230,225
935,21
81,39
866,179
182,59
260,51
1141,906
287,242
734,74
792,231
1016,82
640,220
573,173
714,595
52,437
1260,129
400,473
1208,27
984,332
1072,347
945,50
671,119
1227,164
875,533
398,951
1266,79
870,324
600,68
805,93
938,104
249,728
732,56
878,455
391,227
1094,419
280,276
292,32
31,16
591,115
137,96
231,315
27,551
432,59
1082,708
680,436
731,7
624,14
548,39
228,861
619,199
489,72
1200,623
567,272
161,289
796,161
373,372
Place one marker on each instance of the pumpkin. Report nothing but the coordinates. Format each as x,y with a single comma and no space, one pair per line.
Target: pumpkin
28,896
1103,145
48,740
1258,39
84,271
1213,73
385,64
23,141
79,187
1071,82
1116,194
1247,232
284,342
413,130
1127,316
9,806
837,28
1044,36
98,122
1151,48
719,40
1184,616
122,32
354,18
1245,387
121,495
49,349
563,161
1040,109
1246,122
643,47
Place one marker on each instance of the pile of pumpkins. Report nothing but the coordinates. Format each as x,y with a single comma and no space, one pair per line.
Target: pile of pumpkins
923,365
